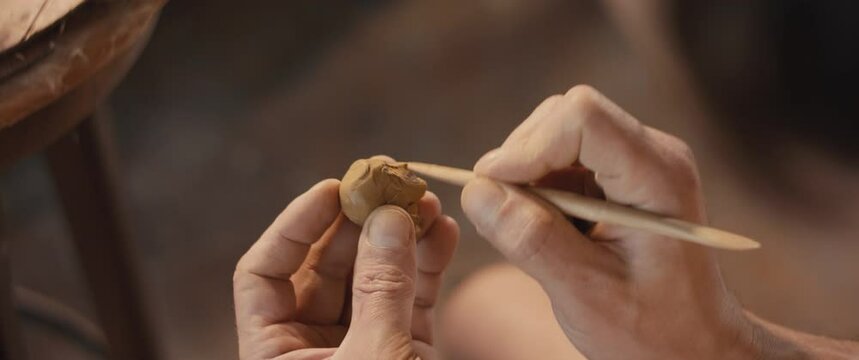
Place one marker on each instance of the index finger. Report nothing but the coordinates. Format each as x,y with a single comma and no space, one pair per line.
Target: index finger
264,293
634,164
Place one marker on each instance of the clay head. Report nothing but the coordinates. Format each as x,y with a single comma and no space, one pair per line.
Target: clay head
370,183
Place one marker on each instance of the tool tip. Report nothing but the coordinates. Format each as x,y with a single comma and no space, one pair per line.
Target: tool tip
727,240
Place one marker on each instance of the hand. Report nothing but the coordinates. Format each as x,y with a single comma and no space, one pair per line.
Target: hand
617,293
296,296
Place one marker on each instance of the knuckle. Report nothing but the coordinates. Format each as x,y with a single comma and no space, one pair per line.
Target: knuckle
236,276
687,177
682,149
582,90
675,157
682,161
677,180
585,100
382,280
239,271
586,108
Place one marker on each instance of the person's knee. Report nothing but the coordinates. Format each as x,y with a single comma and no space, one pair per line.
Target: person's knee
480,291
473,316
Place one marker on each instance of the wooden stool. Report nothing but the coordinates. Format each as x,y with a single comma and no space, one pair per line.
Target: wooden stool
51,86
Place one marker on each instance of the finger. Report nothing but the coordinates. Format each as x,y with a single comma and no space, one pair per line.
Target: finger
386,158
635,165
429,208
436,249
286,340
434,253
321,283
535,236
383,286
308,354
263,291
424,351
533,120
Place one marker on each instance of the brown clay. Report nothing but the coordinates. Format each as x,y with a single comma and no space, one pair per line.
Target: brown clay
370,183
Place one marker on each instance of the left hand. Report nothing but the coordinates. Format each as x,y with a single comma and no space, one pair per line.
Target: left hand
316,286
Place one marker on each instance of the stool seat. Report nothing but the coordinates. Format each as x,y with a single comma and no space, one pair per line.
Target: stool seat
93,49
21,19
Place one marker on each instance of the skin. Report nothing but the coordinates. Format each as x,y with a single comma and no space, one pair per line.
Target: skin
608,293
317,286
612,292
607,288
615,293
645,25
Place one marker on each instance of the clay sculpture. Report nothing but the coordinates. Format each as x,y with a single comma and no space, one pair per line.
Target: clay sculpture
370,183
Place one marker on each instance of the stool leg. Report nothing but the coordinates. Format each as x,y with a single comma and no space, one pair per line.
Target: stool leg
81,164
10,342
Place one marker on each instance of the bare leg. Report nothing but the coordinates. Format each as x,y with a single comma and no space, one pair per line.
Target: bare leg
502,314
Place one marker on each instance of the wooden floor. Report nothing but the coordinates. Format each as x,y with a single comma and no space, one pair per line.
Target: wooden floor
232,112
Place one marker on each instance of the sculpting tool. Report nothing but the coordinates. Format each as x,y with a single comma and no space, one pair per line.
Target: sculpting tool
597,210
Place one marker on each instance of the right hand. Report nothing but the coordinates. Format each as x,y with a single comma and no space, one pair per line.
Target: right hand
617,293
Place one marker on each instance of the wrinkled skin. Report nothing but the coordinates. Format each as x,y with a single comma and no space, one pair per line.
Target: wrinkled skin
317,286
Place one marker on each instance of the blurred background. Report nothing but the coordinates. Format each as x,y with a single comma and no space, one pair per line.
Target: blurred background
234,109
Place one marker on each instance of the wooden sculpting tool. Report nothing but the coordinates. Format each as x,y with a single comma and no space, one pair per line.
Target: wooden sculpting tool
597,210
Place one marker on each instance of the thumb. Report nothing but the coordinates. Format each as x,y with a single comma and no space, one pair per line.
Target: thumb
532,234
383,287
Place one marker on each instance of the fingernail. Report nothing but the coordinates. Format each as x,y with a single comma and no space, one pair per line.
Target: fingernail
389,227
486,161
480,199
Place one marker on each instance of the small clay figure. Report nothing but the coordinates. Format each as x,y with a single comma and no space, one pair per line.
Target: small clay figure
370,183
